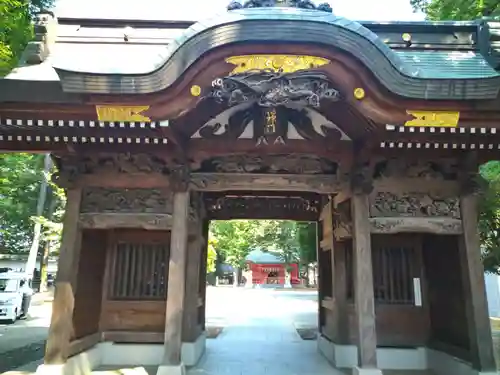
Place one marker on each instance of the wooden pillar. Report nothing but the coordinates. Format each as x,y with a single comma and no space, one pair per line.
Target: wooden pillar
176,286
191,327
61,323
481,343
339,273
203,273
361,186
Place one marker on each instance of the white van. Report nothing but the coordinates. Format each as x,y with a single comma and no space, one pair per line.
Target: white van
15,294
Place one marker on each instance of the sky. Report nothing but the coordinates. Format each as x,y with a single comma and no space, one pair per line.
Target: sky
195,10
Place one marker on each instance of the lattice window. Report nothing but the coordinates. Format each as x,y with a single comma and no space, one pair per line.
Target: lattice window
392,274
139,271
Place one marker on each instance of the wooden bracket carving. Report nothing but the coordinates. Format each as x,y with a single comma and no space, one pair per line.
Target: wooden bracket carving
362,178
180,176
471,181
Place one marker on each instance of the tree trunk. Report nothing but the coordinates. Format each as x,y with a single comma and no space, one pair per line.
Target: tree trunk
44,262
30,264
308,282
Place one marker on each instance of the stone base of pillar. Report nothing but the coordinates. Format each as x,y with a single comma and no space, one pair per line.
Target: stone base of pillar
69,368
193,351
50,370
171,370
366,371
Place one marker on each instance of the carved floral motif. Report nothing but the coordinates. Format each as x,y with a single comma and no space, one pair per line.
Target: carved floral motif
385,204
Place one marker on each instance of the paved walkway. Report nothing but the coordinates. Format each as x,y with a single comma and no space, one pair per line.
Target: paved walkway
260,338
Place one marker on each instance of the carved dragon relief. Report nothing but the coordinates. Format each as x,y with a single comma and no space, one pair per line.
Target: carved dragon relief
270,89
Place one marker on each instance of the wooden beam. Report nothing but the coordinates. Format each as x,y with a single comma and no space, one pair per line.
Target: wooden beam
124,180
323,184
133,337
481,343
61,325
363,282
87,342
176,290
434,225
125,220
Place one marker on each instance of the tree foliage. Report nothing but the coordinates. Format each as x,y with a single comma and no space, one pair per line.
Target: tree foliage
211,254
307,239
16,29
439,10
20,178
292,241
489,217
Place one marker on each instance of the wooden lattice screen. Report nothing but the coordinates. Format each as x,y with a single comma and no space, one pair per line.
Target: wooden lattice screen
392,273
139,271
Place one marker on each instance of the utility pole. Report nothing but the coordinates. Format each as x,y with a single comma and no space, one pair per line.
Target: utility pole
35,243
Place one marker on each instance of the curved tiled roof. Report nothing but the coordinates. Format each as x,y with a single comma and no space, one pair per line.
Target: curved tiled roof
403,76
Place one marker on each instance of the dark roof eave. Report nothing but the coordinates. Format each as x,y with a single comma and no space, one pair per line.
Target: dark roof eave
14,90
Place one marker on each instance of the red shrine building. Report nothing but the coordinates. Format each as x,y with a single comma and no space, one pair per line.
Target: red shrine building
268,269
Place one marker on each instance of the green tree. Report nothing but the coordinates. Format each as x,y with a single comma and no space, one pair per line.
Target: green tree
20,178
16,29
489,217
307,238
15,32
440,10
211,254
234,239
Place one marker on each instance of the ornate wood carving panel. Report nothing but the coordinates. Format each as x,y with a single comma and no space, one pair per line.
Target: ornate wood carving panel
393,225
238,181
408,204
278,164
104,200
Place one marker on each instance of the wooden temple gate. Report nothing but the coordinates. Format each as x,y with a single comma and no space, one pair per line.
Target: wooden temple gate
260,113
